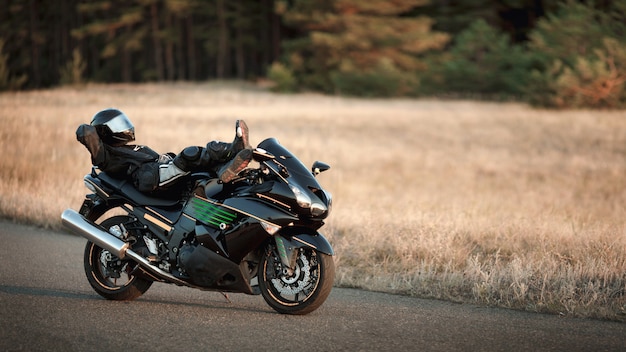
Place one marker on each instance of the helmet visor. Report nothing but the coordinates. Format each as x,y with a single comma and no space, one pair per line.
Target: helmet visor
119,124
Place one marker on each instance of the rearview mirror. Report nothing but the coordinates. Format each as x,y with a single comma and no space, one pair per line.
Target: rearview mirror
319,167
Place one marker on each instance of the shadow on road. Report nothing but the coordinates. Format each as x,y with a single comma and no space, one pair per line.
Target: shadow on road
212,304
38,291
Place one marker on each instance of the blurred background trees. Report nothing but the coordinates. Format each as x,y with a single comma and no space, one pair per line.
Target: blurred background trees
558,53
367,48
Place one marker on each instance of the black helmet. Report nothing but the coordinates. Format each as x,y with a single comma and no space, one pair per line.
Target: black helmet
113,127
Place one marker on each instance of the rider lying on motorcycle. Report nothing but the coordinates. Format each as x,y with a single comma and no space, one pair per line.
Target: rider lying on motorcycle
110,131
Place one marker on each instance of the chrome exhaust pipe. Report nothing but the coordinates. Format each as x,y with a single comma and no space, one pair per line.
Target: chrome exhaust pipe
78,225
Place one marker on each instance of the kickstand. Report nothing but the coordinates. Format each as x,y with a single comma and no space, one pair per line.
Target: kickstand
226,296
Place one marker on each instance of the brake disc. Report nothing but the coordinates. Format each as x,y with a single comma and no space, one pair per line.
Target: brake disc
295,284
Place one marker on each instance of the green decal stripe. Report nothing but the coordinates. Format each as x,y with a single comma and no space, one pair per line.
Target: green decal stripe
227,216
203,206
212,222
210,213
222,218
217,213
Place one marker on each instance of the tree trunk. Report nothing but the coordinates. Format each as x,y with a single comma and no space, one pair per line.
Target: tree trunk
275,20
266,27
63,33
180,54
241,59
222,41
34,43
191,52
158,52
127,75
240,51
169,50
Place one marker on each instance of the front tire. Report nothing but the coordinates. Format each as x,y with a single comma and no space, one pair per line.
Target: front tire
305,289
110,276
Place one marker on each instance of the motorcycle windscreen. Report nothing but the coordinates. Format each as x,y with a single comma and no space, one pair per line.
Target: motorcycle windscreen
301,173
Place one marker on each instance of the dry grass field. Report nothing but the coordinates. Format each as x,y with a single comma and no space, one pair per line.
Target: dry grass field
490,203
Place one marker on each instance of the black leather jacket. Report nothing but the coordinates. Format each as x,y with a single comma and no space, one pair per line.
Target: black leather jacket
119,162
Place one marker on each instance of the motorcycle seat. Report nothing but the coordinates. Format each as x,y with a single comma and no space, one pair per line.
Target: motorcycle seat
127,189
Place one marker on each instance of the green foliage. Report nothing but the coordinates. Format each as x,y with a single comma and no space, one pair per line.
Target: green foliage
357,47
574,30
74,70
283,78
385,80
481,60
595,81
7,81
583,60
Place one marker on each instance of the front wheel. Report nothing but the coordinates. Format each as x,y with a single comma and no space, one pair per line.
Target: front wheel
303,290
110,276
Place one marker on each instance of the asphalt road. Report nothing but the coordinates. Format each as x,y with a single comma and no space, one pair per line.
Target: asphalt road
46,304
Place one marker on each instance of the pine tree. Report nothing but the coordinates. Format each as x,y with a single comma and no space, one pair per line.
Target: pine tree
72,73
7,80
583,58
114,31
347,44
482,60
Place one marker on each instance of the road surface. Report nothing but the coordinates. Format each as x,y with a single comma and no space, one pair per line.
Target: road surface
46,304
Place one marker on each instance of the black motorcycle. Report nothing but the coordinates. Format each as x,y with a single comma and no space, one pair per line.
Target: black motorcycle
257,234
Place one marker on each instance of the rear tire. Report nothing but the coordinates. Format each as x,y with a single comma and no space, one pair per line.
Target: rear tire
302,292
108,275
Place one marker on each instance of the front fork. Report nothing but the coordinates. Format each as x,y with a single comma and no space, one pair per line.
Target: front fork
289,248
288,254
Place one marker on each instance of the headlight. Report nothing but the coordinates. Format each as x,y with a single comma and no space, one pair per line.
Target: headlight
302,198
318,209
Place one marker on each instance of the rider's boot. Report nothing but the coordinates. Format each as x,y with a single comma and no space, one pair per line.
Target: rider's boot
229,171
228,159
241,146
221,152
242,140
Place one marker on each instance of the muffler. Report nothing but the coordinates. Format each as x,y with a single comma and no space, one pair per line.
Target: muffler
78,225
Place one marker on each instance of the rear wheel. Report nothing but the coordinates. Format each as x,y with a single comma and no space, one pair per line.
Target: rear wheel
303,290
110,276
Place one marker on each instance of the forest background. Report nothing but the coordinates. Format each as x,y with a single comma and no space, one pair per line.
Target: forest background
545,52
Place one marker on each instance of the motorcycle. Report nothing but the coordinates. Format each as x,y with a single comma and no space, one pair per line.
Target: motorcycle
257,234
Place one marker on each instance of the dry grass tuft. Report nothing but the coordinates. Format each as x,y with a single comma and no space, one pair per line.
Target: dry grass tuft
496,204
